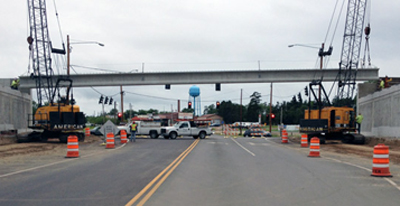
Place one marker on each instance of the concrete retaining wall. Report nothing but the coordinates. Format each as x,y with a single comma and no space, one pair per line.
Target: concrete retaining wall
381,111
14,109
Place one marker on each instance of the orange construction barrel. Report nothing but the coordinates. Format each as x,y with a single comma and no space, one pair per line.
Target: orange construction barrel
314,147
285,137
72,146
123,137
110,143
87,131
304,140
380,161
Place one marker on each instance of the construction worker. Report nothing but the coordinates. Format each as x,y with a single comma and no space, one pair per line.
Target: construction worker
133,128
382,84
359,119
387,80
15,84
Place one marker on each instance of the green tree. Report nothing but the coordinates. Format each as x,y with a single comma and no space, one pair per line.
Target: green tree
254,108
186,110
210,109
230,112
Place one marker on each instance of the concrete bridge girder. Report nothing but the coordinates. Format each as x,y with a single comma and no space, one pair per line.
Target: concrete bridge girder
207,77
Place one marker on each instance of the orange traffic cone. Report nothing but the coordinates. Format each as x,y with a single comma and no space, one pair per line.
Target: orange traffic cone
314,147
110,141
123,137
72,146
87,131
304,140
380,161
284,137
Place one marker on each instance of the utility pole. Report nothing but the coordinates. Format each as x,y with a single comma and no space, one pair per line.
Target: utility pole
115,108
321,64
241,92
130,111
270,110
103,112
122,103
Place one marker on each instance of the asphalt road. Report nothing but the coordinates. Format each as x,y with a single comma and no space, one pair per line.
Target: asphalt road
213,171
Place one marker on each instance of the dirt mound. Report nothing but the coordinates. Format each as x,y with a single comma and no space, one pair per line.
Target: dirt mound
9,146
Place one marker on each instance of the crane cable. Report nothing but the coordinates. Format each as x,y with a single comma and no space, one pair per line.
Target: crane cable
336,26
326,60
367,31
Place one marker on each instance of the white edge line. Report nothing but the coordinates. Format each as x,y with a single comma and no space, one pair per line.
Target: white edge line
243,147
354,165
369,170
54,163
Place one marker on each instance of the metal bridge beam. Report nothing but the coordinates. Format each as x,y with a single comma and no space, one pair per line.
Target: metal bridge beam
206,77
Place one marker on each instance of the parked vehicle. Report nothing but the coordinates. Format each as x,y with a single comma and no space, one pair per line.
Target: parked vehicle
151,128
96,131
186,128
256,133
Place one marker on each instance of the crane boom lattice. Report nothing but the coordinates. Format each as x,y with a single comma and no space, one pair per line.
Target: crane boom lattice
40,50
351,48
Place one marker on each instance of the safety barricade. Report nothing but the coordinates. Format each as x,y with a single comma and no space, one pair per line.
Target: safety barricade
284,137
123,137
314,147
72,147
260,134
304,140
228,131
380,161
110,141
87,131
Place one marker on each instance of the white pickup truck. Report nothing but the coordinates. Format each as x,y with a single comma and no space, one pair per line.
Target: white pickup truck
151,128
185,128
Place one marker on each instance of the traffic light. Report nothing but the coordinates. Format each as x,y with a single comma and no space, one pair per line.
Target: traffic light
272,116
218,87
306,91
218,104
106,100
101,99
189,105
120,116
111,100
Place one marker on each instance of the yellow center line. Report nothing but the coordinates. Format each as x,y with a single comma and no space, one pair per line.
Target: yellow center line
148,186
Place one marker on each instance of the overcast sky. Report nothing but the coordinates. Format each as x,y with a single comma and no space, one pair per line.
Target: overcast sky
177,35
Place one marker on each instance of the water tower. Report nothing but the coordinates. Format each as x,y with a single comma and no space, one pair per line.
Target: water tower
194,97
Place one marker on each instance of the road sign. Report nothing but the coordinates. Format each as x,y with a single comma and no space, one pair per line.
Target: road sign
109,127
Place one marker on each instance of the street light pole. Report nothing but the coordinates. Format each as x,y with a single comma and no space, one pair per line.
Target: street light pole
68,55
321,54
69,50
